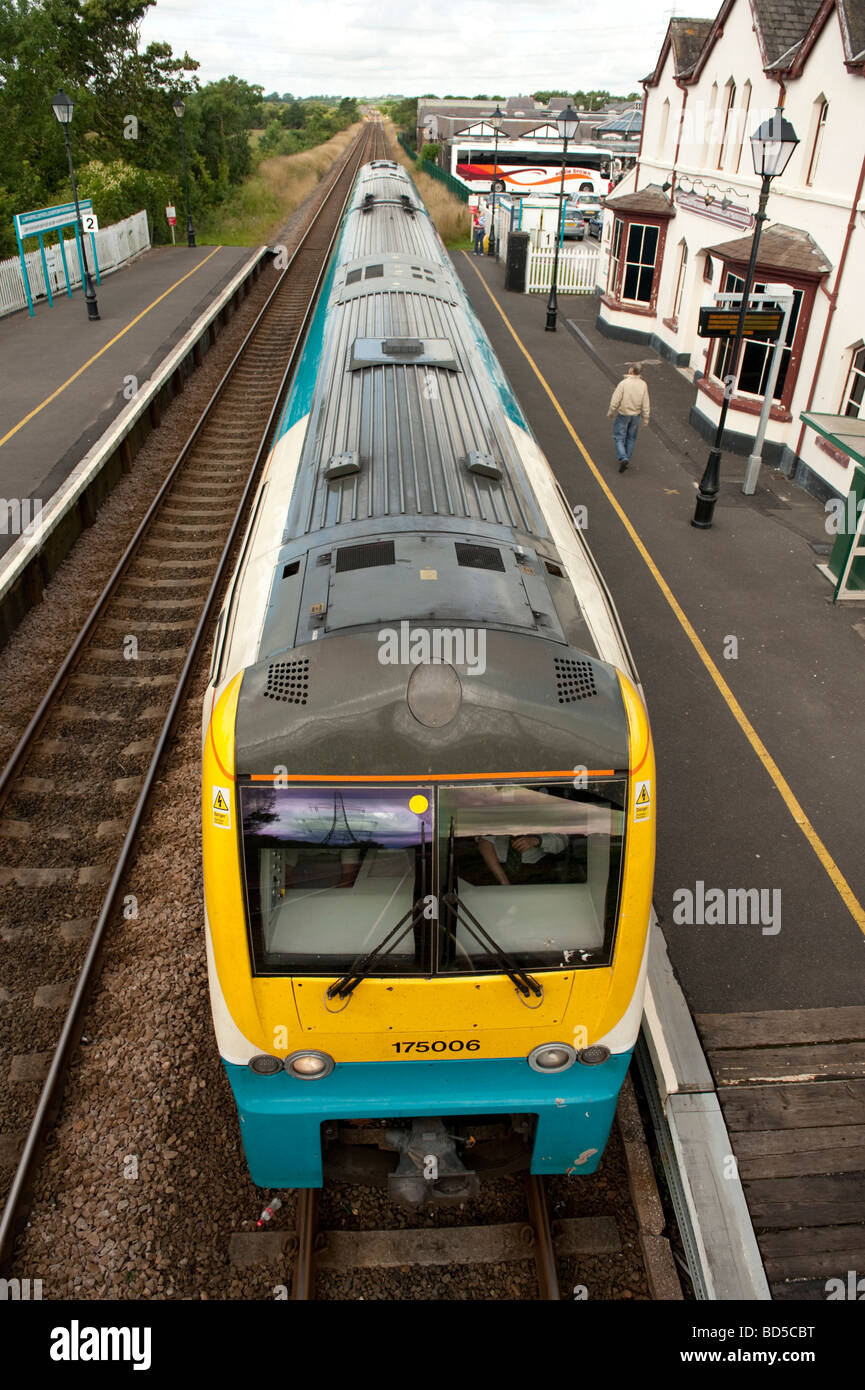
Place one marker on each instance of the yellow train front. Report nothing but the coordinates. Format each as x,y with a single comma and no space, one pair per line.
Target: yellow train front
428,784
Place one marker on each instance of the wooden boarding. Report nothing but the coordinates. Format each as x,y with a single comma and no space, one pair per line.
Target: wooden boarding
791,1084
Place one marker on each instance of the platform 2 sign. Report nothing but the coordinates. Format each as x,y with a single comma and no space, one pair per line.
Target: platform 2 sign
722,323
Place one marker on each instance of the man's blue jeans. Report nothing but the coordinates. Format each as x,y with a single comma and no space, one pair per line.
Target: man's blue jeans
625,436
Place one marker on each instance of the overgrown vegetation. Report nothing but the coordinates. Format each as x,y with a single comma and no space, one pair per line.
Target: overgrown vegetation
451,216
125,136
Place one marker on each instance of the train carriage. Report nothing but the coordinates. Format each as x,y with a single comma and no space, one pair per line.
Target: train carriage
428,783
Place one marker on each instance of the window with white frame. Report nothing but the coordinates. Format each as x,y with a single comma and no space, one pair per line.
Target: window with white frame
741,122
662,129
853,401
615,256
639,269
729,123
822,112
680,280
756,356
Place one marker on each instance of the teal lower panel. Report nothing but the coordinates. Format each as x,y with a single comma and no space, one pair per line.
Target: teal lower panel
281,1116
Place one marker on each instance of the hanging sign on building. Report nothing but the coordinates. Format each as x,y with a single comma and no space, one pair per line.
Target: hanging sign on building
733,215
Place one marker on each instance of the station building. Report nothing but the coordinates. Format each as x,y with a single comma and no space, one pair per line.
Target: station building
678,228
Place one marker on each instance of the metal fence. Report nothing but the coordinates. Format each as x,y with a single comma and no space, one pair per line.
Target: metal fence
114,245
458,189
577,272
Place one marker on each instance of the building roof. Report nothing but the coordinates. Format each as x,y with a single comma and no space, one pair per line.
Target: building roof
781,248
782,25
629,123
651,199
686,38
851,15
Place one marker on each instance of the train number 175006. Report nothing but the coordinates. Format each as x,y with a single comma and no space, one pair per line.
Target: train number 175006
403,1048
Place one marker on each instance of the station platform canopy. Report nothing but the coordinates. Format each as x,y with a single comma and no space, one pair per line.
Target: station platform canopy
846,432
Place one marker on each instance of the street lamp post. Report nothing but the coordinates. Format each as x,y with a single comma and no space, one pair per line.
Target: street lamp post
772,145
179,108
497,121
568,122
62,107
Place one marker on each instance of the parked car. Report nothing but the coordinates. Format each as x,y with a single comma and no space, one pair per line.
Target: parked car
595,224
575,224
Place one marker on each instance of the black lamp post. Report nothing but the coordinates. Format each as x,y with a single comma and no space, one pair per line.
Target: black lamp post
568,122
179,108
497,121
62,107
772,145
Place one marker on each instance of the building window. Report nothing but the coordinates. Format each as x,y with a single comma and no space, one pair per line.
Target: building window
729,122
741,123
665,121
854,391
640,256
708,270
756,352
822,111
680,280
615,256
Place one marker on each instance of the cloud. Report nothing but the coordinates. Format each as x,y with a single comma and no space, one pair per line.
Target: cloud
370,47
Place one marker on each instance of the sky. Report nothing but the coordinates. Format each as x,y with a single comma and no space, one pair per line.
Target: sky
376,47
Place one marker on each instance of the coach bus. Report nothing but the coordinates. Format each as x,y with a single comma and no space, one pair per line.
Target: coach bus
521,167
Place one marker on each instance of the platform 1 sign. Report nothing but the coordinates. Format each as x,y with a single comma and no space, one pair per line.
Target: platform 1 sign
723,323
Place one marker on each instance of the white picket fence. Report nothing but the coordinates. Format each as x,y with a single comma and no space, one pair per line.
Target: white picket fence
114,245
577,271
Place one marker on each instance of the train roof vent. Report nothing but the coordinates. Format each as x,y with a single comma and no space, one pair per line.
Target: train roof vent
484,465
479,557
575,680
288,681
361,557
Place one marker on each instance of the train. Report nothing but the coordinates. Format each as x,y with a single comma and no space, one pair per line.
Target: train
428,786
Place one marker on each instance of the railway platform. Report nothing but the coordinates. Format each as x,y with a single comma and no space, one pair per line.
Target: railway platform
66,379
753,683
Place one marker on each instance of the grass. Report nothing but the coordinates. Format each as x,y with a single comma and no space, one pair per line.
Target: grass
261,205
450,215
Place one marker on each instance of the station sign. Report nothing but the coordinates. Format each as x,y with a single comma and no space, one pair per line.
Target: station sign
723,323
51,219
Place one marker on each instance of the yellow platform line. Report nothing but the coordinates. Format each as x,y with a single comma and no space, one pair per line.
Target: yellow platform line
845,892
97,355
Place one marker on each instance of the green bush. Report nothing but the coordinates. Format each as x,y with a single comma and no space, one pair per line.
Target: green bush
119,189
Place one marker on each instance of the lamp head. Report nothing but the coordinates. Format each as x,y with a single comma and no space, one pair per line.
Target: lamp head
62,106
772,146
568,122
178,106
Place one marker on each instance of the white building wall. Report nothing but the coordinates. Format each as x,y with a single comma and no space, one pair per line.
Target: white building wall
823,210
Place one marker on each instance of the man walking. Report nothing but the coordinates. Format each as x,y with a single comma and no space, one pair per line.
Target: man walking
629,402
478,233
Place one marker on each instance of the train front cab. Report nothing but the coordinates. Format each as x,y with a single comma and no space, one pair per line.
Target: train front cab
433,1030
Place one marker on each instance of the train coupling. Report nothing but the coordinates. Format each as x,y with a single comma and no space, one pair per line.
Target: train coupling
429,1169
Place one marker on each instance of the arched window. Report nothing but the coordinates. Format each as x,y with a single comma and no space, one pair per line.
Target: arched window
662,130
822,111
741,122
729,123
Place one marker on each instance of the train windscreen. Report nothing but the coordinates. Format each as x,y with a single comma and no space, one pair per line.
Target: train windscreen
429,880
537,867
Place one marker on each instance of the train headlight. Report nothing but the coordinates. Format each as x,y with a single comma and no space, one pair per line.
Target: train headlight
309,1065
552,1057
593,1056
265,1065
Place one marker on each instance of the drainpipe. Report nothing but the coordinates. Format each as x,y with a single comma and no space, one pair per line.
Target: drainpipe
642,133
833,301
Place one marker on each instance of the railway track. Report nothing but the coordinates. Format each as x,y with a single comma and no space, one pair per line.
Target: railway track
73,793
535,1239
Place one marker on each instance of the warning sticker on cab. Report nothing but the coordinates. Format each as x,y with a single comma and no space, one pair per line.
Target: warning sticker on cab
642,800
222,808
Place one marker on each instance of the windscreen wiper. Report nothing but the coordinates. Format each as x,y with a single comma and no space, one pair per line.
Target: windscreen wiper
346,984
522,982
